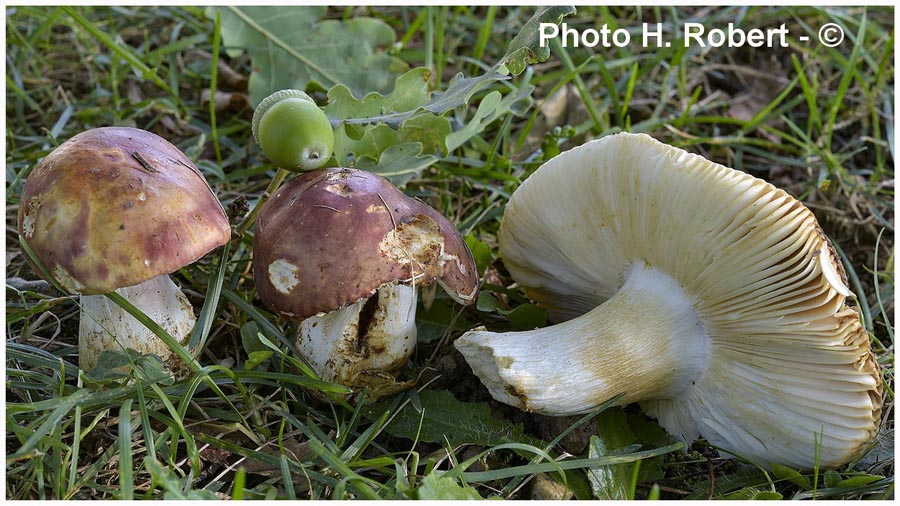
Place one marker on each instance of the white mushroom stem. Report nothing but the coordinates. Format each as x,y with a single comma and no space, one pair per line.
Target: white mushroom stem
373,336
104,326
646,342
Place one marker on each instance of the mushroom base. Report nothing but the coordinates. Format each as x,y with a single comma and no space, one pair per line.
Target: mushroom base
104,326
645,342
365,343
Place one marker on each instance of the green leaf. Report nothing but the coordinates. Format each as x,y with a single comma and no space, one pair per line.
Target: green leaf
150,368
409,96
527,317
112,367
290,47
255,358
832,478
445,419
115,366
521,317
611,482
410,92
249,337
477,123
648,432
368,141
481,252
372,141
366,127
753,494
525,48
398,163
746,494
437,486
858,481
433,324
490,109
460,90
487,303
608,483
174,486
767,495
743,494
783,472
427,129
415,115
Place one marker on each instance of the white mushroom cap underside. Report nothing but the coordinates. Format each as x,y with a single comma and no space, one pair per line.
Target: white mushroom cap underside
788,358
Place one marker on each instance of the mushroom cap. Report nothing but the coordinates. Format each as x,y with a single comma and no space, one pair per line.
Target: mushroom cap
113,207
331,237
787,357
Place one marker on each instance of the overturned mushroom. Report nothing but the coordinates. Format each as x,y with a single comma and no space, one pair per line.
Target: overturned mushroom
117,209
706,294
343,251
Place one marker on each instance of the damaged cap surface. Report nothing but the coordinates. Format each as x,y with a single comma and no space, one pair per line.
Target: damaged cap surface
112,207
330,237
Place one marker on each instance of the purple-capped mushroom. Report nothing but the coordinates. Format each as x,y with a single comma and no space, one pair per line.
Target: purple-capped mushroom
343,251
118,209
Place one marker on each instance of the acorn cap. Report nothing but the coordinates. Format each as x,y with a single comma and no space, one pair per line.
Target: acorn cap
331,237
115,206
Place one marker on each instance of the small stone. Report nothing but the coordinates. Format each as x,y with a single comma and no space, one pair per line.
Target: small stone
544,488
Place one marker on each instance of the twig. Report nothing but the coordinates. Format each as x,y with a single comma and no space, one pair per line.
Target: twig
251,217
144,163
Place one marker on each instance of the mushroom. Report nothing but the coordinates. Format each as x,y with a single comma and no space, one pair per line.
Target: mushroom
709,296
118,209
343,252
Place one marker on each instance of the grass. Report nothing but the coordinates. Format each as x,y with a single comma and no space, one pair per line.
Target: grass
813,120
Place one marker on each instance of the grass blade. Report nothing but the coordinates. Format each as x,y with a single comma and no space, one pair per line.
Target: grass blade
237,487
341,468
208,313
123,52
213,81
52,421
126,463
160,332
565,465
